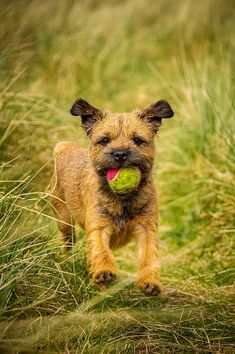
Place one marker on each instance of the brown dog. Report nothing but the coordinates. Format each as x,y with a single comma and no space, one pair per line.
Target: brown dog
81,193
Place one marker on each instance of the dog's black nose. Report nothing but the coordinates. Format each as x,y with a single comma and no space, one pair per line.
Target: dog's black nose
120,155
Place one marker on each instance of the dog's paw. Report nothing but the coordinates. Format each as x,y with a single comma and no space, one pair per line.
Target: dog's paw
150,289
104,277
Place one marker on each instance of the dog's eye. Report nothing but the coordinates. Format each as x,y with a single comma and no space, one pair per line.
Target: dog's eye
138,141
103,141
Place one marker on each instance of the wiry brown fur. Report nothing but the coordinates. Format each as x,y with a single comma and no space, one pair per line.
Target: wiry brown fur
82,195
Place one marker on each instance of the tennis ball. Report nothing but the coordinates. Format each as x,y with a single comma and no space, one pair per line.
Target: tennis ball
124,179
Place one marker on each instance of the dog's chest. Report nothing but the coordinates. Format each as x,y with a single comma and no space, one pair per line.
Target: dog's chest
122,215
121,218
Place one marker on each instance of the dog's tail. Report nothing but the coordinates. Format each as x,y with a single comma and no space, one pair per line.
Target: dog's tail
64,147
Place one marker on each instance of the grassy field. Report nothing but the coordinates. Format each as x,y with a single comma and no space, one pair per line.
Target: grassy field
119,55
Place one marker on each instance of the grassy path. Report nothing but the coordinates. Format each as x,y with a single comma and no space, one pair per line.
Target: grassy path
184,318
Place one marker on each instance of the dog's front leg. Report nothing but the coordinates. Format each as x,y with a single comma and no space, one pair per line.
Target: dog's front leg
148,278
102,264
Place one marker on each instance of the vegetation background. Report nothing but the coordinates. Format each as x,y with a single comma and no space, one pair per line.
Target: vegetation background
118,54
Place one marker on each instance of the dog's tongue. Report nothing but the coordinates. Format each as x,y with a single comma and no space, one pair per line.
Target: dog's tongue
112,173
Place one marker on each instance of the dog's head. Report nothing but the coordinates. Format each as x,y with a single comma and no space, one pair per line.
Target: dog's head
122,139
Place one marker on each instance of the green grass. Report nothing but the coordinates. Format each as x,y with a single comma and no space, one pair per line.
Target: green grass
118,55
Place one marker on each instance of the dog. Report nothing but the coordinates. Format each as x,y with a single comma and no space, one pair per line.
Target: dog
82,195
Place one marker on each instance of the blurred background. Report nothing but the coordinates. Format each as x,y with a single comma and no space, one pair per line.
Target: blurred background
118,55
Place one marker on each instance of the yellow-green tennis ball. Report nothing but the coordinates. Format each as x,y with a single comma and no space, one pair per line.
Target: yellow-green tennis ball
124,179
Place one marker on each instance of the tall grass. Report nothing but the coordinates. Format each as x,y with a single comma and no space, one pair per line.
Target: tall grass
119,55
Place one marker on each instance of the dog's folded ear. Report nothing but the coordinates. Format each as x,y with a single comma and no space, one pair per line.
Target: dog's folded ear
155,112
89,114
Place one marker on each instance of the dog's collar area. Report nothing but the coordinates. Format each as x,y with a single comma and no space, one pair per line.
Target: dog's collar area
121,218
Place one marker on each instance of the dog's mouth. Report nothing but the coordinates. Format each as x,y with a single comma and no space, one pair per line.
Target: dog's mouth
123,180
121,184
111,173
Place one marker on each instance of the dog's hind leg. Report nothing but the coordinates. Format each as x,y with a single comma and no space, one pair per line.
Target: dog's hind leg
64,219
